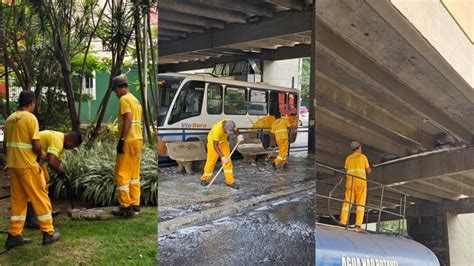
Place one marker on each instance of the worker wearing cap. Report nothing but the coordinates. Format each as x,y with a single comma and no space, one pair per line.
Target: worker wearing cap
22,146
53,144
280,133
218,146
127,163
357,165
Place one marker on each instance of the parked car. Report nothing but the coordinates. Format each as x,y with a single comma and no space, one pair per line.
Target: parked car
303,109
304,118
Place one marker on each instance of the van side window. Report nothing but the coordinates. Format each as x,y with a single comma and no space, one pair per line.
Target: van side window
189,102
235,101
214,99
258,102
277,102
292,104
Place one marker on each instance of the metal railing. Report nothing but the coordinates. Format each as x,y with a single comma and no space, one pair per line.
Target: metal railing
380,206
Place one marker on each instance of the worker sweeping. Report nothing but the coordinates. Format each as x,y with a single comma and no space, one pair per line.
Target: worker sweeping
279,132
129,147
356,164
218,146
53,144
22,146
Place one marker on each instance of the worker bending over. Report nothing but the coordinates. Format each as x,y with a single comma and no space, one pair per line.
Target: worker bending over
280,134
218,146
22,146
129,148
53,144
356,188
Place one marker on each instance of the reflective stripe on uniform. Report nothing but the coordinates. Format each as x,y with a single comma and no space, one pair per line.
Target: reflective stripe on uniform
209,174
19,145
227,171
53,150
17,218
135,181
353,170
279,158
281,130
137,122
45,217
360,208
345,208
123,188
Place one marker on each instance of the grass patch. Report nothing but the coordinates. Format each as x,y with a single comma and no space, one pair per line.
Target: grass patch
110,242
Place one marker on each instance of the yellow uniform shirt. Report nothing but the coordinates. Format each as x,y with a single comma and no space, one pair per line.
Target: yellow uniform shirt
21,128
52,142
356,163
280,128
129,104
218,133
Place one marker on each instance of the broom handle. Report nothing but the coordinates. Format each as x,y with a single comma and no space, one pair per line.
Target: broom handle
222,167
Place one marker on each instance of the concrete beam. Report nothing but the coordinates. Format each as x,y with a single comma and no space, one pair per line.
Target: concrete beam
295,22
342,100
179,27
203,11
329,39
418,194
426,166
433,189
330,159
166,15
354,131
293,4
240,6
453,186
301,50
172,33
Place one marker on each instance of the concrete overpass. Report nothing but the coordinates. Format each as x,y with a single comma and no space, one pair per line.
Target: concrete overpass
403,91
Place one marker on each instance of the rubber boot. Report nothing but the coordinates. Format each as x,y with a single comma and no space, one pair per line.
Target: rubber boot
204,183
136,208
234,186
50,238
15,241
31,221
125,212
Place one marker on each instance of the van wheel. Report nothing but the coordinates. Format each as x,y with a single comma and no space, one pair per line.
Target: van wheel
192,139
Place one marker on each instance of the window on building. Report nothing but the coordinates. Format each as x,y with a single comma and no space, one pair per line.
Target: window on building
89,86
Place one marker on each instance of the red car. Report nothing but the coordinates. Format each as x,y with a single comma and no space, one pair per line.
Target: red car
303,109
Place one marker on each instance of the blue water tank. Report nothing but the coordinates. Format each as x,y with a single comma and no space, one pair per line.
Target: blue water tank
338,246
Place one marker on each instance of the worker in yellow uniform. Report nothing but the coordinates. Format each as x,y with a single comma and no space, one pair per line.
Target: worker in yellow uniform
357,165
22,146
280,133
218,146
53,144
129,147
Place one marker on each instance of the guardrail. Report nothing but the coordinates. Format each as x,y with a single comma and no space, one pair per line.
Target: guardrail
380,209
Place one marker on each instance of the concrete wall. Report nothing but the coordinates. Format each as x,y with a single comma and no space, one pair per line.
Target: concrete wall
280,73
461,238
439,28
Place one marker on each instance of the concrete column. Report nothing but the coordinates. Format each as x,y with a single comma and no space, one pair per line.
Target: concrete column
433,233
461,238
312,88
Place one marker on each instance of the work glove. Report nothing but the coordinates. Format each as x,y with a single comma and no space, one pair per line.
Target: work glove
120,146
224,160
240,138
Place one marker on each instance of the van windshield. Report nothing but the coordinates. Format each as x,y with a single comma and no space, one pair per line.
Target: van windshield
167,88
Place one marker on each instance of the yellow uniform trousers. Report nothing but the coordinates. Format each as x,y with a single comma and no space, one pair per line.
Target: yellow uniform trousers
358,196
211,161
282,151
127,173
29,183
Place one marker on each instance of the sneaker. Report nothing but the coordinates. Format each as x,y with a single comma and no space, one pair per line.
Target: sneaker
234,186
204,183
15,241
50,238
136,208
274,166
125,212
